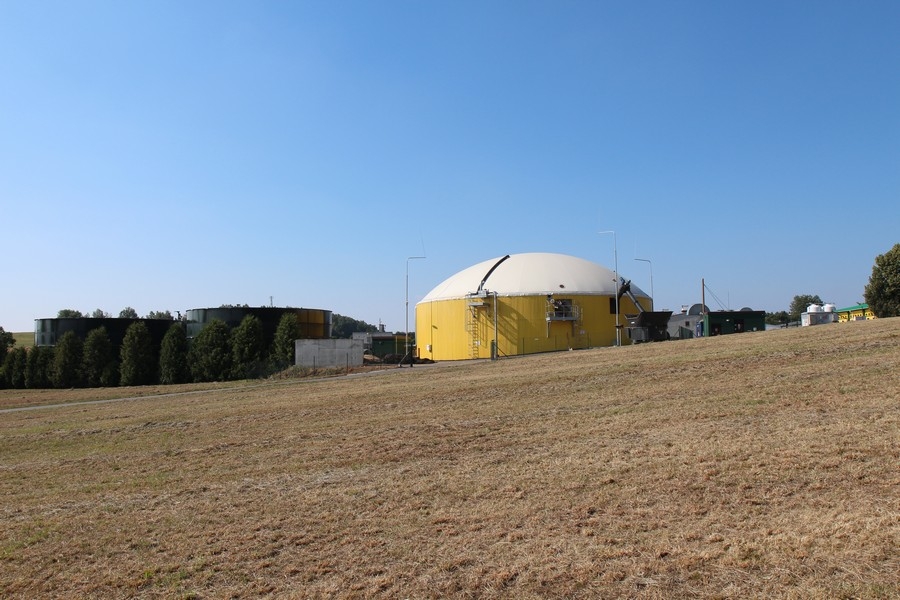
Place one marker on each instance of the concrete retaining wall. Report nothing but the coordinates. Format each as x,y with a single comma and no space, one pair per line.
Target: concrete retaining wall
328,353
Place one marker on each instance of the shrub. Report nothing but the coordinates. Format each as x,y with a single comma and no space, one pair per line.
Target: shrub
283,346
98,361
173,356
16,374
209,356
7,341
39,367
138,360
14,368
247,348
67,359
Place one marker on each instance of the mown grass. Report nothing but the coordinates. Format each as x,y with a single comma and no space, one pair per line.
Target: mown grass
16,399
758,465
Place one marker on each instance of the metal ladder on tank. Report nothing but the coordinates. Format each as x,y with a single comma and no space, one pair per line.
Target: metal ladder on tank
472,328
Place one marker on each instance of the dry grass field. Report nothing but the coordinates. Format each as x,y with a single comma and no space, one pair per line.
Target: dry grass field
24,339
749,466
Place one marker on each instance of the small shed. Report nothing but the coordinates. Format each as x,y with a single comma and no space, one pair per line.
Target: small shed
724,322
857,312
818,314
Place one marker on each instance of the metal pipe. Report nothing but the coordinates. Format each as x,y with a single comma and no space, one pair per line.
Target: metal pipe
496,352
652,296
405,356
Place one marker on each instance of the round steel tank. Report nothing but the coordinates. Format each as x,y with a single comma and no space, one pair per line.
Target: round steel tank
47,332
314,323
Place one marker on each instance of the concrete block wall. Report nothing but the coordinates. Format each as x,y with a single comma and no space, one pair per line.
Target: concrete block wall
328,353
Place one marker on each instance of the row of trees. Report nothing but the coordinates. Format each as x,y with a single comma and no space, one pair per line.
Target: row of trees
218,353
125,313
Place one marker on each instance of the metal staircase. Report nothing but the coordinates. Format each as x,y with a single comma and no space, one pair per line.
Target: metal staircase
474,305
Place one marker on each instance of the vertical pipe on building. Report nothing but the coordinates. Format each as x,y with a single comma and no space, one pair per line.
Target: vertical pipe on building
702,296
703,304
496,350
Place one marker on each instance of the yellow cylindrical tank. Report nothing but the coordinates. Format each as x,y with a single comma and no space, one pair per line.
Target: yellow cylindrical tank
521,304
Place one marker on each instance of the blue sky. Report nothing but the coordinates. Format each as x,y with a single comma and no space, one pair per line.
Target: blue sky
176,155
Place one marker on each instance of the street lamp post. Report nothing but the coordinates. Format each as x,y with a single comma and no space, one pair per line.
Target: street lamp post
616,264
652,296
405,356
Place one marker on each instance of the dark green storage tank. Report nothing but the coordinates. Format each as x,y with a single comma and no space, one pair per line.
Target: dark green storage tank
315,324
47,332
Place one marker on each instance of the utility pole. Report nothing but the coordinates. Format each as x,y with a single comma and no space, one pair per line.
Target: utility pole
408,258
652,296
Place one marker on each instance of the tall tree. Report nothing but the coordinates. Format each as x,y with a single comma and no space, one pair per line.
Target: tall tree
288,330
138,361
21,361
99,313
14,367
67,358
210,354
38,367
173,363
69,313
247,348
98,360
882,293
800,303
128,313
7,341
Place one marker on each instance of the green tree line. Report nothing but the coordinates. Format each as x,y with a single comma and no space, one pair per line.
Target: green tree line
345,327
125,313
218,353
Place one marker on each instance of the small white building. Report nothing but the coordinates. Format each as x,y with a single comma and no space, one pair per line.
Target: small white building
818,314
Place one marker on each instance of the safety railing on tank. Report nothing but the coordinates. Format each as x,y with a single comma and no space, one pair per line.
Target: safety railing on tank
563,312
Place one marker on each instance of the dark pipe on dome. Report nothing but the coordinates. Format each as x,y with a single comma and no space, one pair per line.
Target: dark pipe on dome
488,274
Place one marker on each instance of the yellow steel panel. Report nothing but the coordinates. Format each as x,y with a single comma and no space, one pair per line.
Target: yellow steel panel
522,326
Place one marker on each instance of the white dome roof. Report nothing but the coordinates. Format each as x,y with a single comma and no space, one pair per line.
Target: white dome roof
530,274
